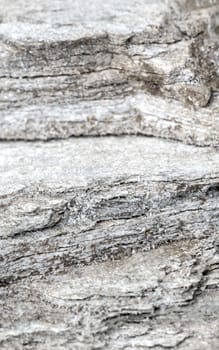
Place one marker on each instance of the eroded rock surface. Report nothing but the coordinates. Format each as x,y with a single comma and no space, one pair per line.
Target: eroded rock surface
89,199
159,59
109,242
164,298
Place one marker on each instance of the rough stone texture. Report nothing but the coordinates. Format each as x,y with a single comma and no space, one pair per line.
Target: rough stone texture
153,62
109,242
68,205
163,299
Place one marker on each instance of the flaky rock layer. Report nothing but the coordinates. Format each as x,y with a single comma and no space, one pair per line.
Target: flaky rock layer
154,63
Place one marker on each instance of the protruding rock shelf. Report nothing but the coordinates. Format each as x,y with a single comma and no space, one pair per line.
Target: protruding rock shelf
79,200
137,114
87,68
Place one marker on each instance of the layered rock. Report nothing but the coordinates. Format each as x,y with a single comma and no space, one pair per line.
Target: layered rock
90,199
109,237
158,59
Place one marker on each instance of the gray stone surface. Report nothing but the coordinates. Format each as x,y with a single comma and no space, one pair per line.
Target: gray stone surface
109,242
154,62
166,298
90,199
137,114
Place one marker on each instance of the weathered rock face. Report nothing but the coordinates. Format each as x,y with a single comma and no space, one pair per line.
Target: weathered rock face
148,208
147,66
109,242
90,199
165,298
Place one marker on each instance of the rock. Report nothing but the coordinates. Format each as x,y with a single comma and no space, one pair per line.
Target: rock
137,114
164,298
86,199
155,62
108,232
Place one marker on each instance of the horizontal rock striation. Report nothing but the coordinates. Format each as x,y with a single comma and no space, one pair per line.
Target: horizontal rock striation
103,198
164,298
109,242
158,59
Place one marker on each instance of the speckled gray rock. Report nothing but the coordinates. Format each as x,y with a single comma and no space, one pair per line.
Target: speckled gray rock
85,199
66,68
166,298
109,242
